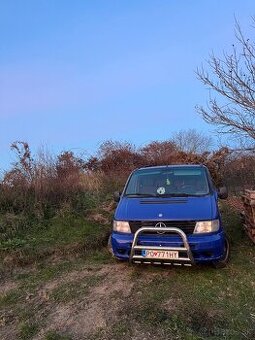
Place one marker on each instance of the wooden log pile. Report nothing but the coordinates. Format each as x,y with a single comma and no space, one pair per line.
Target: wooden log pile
249,213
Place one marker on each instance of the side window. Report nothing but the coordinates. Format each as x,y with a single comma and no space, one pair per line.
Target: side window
210,180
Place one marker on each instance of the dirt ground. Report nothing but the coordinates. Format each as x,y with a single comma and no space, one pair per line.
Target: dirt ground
118,301
92,312
95,306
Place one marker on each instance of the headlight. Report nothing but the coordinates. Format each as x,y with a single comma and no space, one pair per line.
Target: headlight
121,226
207,226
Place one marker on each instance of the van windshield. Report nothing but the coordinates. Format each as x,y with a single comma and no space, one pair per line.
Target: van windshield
164,182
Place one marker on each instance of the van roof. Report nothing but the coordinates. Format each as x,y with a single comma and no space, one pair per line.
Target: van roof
173,166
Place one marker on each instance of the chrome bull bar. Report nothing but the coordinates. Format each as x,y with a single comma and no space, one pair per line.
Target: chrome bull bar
188,261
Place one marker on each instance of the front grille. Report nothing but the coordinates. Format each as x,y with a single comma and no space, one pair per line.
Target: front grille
186,226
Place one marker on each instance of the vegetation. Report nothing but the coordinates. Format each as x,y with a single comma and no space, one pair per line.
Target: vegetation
91,296
63,205
58,280
232,80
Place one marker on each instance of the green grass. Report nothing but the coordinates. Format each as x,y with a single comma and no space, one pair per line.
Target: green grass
28,330
52,335
61,235
10,298
44,272
72,290
165,303
65,231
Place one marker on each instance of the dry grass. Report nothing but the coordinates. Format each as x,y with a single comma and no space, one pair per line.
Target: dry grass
93,297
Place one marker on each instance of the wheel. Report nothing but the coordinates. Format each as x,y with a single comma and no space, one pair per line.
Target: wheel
109,245
223,262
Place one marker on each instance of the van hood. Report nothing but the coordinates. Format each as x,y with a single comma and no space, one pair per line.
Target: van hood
171,208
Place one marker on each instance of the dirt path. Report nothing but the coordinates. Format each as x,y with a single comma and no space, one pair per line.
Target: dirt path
78,303
93,311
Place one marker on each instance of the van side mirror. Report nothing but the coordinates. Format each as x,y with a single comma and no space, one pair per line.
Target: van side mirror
116,196
223,193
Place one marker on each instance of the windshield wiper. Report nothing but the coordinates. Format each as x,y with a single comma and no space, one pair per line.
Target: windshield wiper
177,194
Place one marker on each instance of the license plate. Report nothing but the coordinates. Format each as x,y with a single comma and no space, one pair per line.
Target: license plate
160,254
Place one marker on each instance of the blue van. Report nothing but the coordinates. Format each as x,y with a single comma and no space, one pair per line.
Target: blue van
169,215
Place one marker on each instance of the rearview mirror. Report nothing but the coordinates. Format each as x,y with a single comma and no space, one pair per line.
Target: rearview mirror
223,192
116,196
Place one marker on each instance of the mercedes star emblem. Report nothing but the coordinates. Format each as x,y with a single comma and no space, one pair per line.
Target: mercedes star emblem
160,225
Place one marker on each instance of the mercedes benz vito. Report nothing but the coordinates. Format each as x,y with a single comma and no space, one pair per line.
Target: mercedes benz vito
170,215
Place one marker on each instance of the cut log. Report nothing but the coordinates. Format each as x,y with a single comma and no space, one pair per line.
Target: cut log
250,193
249,213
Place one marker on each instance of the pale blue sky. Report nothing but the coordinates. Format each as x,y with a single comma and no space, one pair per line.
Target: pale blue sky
75,73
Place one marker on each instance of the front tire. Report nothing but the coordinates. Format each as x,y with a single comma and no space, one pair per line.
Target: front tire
109,245
223,262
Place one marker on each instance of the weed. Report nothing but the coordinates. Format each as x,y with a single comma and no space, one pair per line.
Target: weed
63,235
73,290
52,335
10,298
44,273
28,330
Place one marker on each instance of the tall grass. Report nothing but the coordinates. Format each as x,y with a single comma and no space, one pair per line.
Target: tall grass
40,188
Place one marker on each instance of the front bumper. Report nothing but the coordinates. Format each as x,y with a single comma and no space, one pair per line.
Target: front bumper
204,248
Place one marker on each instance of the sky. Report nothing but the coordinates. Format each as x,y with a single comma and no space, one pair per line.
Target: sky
76,73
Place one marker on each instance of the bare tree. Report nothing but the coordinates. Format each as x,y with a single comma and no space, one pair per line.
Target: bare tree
232,80
25,163
192,141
